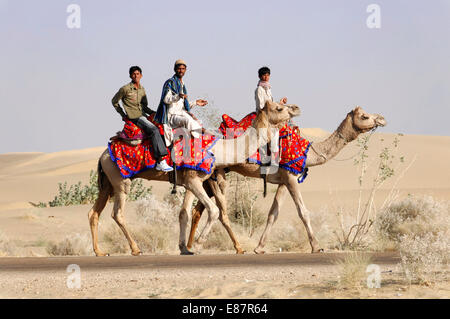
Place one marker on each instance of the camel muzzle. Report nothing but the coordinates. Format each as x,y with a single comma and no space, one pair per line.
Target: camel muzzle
380,121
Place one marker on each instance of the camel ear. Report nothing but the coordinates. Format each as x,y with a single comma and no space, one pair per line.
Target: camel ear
357,108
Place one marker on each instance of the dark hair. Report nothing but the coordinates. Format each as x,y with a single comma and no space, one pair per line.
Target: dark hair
263,70
135,68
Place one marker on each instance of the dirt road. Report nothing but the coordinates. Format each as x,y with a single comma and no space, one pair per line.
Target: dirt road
181,262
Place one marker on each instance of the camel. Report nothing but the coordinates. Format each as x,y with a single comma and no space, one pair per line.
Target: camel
356,122
111,183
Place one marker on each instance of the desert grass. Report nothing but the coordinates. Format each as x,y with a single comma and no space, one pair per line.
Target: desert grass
352,270
419,228
75,244
7,247
154,228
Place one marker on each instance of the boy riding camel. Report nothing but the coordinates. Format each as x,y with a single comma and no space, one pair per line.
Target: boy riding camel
135,103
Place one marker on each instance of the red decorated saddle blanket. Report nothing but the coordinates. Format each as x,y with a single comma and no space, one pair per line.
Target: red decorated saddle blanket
132,160
292,150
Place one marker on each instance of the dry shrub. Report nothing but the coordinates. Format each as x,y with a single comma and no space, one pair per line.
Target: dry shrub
115,240
293,236
422,257
242,200
73,245
413,215
218,238
287,237
155,238
352,270
157,231
7,248
150,210
420,229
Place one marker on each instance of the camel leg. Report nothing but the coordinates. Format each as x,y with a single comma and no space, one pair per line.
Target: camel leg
183,219
271,218
196,187
94,215
303,213
117,214
219,190
196,215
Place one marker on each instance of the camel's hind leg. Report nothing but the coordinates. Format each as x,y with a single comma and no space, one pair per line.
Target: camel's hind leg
303,213
94,215
183,219
219,190
120,195
105,191
196,187
271,218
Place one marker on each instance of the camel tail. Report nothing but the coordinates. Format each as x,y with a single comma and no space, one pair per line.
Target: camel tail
104,185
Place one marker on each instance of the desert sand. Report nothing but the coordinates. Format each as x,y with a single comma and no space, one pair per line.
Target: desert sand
27,178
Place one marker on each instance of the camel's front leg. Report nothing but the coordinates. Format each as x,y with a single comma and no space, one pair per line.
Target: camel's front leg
196,215
117,215
271,218
303,213
183,219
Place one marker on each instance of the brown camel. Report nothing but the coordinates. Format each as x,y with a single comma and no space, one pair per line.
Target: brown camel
111,182
355,123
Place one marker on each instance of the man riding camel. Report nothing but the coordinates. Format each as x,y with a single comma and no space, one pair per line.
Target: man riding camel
135,103
263,90
174,107
263,93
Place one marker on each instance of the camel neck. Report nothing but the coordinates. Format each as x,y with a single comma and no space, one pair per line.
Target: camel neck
331,146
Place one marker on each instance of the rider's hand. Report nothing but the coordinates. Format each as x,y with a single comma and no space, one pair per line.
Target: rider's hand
201,102
283,100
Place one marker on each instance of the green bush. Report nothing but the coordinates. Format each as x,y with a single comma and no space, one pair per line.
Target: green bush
79,194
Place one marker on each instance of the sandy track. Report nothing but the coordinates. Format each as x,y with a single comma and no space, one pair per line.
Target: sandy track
197,261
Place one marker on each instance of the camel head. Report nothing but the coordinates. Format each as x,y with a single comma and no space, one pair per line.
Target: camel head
275,115
363,122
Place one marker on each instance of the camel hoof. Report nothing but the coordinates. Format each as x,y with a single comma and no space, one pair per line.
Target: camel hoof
259,251
136,253
318,251
187,253
102,254
240,252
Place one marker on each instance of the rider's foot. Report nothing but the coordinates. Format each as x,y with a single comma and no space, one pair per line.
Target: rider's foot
162,166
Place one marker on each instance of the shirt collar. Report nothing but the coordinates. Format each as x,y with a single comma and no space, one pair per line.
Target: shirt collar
133,87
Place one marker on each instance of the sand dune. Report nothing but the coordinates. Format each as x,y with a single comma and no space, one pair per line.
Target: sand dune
28,177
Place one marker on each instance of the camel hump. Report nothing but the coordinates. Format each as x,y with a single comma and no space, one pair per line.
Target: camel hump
230,126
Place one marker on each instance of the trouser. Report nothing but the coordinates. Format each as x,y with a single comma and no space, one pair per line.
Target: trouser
159,147
186,121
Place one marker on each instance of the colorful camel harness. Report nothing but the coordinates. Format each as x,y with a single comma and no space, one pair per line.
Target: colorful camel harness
132,159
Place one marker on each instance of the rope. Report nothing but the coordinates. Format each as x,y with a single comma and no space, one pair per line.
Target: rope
361,148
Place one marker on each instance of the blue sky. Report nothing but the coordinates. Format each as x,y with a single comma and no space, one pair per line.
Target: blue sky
57,83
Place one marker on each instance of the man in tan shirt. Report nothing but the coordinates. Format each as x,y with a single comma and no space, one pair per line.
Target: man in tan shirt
135,103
